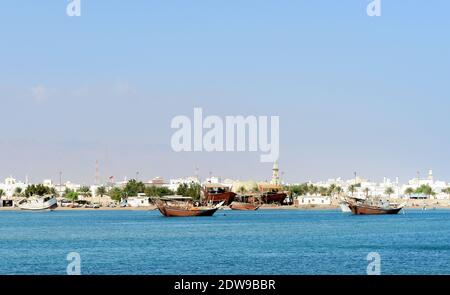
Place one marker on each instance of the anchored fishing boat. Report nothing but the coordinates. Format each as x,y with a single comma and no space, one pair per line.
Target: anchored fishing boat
373,207
39,203
184,207
214,193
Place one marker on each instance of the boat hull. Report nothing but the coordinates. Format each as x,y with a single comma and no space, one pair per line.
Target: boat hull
226,197
243,206
180,212
367,210
50,205
273,198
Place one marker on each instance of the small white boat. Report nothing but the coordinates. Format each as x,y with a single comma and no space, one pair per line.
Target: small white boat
39,203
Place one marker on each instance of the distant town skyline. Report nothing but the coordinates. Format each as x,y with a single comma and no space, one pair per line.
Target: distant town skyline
353,93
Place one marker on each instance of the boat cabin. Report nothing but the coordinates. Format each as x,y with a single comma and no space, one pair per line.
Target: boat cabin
216,188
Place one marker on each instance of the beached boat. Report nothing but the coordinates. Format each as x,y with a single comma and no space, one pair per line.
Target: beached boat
243,206
214,193
272,194
371,207
183,207
39,203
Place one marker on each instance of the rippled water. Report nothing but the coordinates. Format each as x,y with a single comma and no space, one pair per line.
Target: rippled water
231,242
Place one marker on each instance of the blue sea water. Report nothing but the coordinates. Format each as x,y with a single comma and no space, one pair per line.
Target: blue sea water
230,242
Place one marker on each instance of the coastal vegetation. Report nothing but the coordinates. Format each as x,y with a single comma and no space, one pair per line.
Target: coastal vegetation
72,196
101,191
38,190
446,191
425,190
389,191
85,191
133,188
192,190
409,191
310,189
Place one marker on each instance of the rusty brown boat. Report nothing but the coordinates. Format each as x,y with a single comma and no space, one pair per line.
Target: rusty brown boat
272,194
244,206
183,207
214,193
367,207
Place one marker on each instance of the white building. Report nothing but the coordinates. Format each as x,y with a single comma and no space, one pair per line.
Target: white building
10,185
312,200
175,183
139,201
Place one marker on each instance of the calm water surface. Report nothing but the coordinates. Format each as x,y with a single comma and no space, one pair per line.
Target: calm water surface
231,242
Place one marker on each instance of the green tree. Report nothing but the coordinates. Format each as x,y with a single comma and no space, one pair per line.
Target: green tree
116,194
352,189
332,189
193,191
446,191
2,193
18,191
37,190
182,189
72,196
313,190
323,191
101,191
85,191
409,191
155,191
339,190
425,190
133,188
389,191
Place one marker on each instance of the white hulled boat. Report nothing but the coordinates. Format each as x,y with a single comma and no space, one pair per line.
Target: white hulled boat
39,203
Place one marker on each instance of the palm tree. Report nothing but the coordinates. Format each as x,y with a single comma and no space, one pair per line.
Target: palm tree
323,191
446,191
85,191
18,191
313,190
389,191
242,190
352,189
339,190
101,191
2,193
367,191
73,196
409,191
332,189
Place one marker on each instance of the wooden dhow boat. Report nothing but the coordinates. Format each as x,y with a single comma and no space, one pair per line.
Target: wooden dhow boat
214,193
184,207
272,194
369,207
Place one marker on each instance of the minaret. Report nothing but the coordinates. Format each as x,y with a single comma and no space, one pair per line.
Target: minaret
275,174
430,175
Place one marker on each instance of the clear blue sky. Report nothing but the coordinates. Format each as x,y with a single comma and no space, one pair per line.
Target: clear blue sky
353,93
